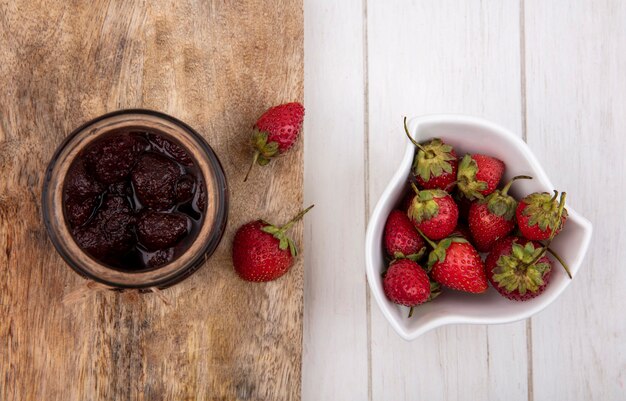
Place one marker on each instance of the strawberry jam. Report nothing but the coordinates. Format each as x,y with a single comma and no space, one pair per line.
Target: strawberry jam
134,200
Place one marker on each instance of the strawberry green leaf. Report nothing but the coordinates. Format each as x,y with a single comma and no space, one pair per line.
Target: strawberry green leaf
266,150
543,210
435,290
270,229
517,272
467,182
417,256
433,159
292,248
438,255
423,206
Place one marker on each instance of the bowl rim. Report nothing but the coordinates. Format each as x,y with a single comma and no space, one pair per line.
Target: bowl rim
375,283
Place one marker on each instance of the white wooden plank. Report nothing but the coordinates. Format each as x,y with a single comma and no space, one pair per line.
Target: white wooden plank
431,57
335,331
576,102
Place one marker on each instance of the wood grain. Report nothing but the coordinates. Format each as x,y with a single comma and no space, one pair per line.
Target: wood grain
576,94
335,360
216,65
554,72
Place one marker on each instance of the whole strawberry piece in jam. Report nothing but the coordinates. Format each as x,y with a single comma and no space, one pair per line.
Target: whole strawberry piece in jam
492,218
456,264
154,179
111,230
401,238
540,216
111,159
406,283
275,132
158,230
434,212
479,175
518,268
262,251
435,164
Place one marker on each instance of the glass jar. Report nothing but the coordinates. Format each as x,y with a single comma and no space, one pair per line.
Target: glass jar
200,248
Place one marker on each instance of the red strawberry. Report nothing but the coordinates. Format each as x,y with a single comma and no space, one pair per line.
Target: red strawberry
401,238
492,218
540,216
435,164
456,264
275,132
433,212
262,251
406,283
479,175
518,268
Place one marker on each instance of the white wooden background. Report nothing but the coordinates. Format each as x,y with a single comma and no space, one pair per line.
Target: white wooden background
553,71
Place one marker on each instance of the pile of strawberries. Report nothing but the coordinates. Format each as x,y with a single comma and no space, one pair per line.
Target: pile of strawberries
454,210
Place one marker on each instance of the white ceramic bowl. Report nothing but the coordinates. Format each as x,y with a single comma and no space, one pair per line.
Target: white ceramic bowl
472,135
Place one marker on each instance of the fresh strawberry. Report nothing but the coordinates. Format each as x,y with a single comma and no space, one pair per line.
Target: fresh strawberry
455,263
262,251
406,283
435,164
275,132
492,218
401,238
540,216
518,268
433,212
479,175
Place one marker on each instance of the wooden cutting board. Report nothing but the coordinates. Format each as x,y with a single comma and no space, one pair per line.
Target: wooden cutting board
216,65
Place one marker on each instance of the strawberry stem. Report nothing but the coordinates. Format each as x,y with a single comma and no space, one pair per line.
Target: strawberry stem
556,193
295,219
254,160
561,261
417,191
413,141
508,184
411,312
430,242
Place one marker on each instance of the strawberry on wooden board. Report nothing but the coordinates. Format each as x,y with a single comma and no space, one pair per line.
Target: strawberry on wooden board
275,132
435,164
479,175
492,218
434,212
456,264
518,268
406,283
262,251
540,216
401,238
